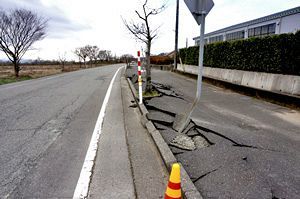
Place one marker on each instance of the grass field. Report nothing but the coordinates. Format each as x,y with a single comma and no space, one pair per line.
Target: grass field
7,80
35,71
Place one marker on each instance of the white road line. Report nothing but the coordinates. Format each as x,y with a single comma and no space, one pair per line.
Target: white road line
82,187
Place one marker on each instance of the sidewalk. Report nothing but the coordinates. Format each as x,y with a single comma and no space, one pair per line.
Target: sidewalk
128,164
236,146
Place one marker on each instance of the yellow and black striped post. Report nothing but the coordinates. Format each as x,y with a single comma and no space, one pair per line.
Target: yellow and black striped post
174,185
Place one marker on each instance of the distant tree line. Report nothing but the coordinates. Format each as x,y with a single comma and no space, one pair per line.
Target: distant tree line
21,28
106,57
90,54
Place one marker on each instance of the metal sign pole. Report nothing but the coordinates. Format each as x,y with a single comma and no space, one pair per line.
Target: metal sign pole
201,54
200,72
199,10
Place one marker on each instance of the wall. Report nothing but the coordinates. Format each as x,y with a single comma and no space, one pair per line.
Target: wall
286,84
290,24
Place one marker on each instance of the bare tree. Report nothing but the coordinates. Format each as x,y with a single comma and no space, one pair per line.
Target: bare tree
101,55
62,60
127,58
78,54
108,55
144,33
92,52
104,55
19,29
82,54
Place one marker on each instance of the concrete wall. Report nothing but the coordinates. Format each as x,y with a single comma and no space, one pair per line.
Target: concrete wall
287,84
290,24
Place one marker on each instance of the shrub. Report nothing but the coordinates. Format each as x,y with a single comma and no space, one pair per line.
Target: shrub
272,54
161,60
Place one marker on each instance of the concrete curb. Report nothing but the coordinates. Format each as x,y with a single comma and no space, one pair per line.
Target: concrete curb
188,188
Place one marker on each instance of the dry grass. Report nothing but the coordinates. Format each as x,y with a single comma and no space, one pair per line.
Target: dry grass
7,74
36,71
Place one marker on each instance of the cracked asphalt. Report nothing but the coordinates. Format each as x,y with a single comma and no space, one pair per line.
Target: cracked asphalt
45,129
235,146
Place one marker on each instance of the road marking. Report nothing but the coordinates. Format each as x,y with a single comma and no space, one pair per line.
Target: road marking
82,187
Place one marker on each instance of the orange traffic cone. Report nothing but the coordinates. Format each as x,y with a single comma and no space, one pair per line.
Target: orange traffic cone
174,188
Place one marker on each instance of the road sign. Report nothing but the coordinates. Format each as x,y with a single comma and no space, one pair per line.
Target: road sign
199,7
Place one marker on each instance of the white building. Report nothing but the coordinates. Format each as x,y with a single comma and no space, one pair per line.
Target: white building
287,21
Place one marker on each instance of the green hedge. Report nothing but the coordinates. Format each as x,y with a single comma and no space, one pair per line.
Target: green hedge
272,54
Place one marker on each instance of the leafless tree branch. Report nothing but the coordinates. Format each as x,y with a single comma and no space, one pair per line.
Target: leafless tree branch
141,31
19,29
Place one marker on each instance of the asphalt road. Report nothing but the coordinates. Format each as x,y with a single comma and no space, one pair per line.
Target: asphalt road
45,129
248,148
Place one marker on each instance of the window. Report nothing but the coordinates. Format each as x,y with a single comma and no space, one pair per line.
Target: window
251,32
216,39
257,31
262,30
235,35
272,28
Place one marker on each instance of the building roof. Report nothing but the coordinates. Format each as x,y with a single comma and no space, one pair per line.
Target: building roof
255,21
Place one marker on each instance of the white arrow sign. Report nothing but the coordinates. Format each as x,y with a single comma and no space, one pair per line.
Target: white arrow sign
199,7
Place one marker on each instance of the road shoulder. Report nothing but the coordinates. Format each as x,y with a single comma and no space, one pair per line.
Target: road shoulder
112,176
149,171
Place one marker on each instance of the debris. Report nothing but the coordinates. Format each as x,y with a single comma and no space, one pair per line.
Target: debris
183,142
200,142
134,78
165,90
133,106
192,133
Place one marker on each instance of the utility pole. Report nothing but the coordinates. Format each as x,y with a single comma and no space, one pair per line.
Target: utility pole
176,35
186,43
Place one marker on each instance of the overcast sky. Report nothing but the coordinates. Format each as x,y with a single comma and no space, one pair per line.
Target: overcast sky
75,23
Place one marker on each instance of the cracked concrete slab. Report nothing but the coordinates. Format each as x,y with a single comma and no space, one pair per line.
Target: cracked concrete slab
241,172
244,158
248,152
177,106
192,133
160,126
176,150
169,135
160,117
188,128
